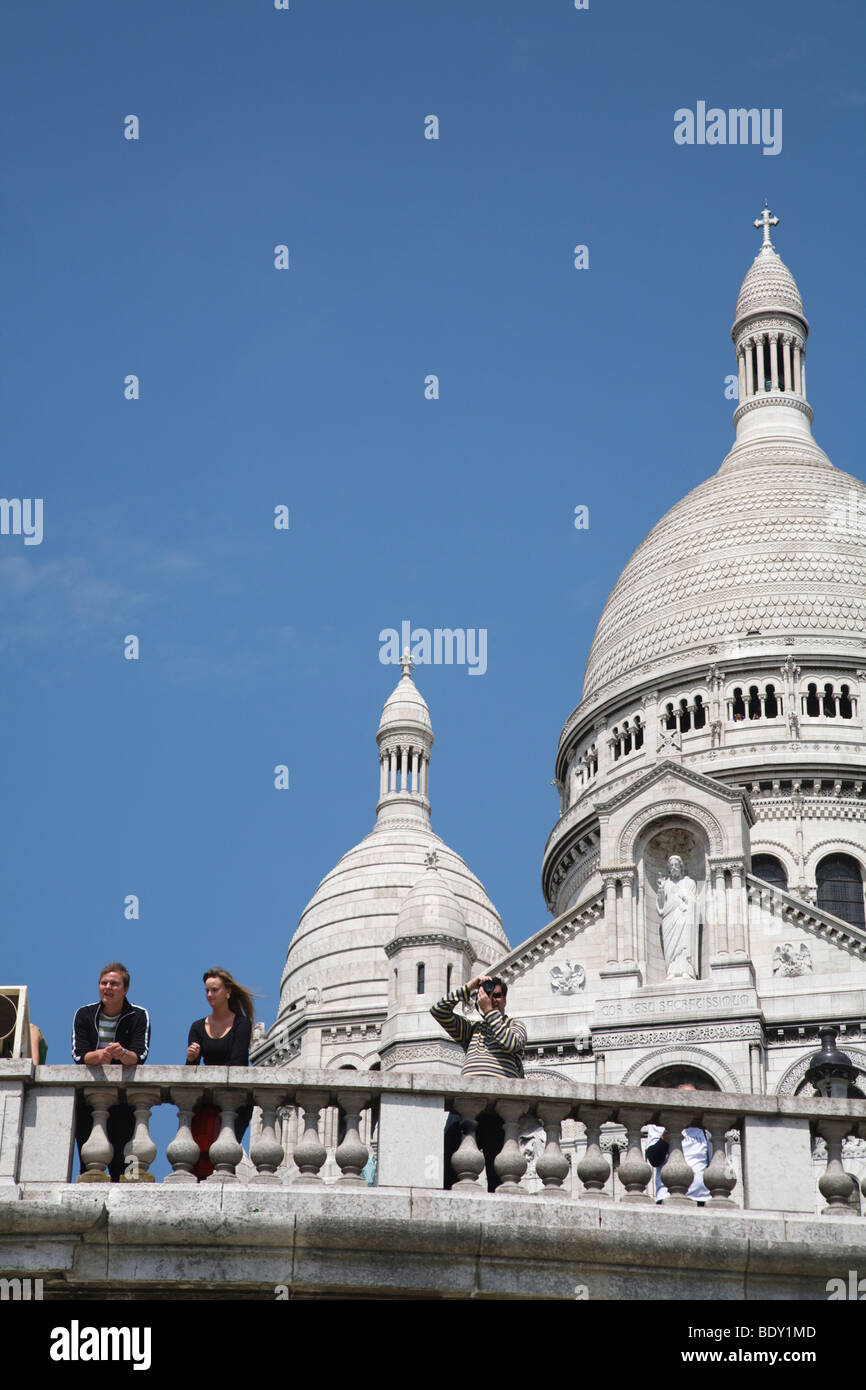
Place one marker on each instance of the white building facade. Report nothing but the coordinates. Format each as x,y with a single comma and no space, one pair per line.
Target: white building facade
706,872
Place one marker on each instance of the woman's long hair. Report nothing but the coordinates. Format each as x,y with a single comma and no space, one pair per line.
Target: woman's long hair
240,998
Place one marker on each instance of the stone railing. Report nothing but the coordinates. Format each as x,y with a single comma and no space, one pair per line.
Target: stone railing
766,900
407,1115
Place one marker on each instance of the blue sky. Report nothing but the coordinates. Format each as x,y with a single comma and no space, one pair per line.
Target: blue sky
408,256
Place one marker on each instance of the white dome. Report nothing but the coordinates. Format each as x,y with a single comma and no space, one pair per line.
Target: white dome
756,550
338,950
769,287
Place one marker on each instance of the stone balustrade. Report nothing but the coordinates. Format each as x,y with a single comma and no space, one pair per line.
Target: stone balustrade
403,1117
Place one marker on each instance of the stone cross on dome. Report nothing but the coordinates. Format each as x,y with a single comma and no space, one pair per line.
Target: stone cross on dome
767,220
406,663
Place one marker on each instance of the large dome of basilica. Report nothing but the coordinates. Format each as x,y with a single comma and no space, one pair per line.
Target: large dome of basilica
774,545
769,550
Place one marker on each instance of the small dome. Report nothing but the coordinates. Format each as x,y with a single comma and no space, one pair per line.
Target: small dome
405,706
768,288
430,906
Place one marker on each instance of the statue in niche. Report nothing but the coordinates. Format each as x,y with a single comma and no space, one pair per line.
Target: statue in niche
789,959
677,899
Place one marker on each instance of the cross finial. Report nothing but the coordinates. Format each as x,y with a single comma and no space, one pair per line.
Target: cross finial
766,220
406,662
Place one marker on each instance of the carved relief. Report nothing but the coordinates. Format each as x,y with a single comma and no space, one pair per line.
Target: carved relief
567,978
750,1030
791,959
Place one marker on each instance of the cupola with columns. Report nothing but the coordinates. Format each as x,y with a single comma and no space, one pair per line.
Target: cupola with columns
405,739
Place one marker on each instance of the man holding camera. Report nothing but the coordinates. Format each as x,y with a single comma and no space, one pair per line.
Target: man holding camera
494,1046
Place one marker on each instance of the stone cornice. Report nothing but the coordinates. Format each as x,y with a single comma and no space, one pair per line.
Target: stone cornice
430,939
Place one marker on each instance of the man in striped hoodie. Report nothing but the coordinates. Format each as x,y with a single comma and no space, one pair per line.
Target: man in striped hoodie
494,1045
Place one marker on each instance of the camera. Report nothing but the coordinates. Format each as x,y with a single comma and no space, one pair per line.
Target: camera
489,986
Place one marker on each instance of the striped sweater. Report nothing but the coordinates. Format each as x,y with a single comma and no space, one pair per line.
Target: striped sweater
493,1043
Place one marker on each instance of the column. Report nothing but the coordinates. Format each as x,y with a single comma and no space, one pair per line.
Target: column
140,1152
741,373
183,1152
718,1177
391,770
425,764
774,361
97,1151
736,912
750,368
401,769
798,390
266,1151
416,764
836,1186
601,746
610,918
786,354
594,1169
722,943
552,1165
352,1154
628,939
803,374
310,1153
759,364
383,774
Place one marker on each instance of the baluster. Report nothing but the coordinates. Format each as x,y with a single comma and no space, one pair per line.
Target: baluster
140,1151
593,1169
552,1165
352,1154
635,1171
719,1178
225,1152
835,1185
183,1152
468,1161
676,1174
97,1151
310,1152
509,1163
266,1151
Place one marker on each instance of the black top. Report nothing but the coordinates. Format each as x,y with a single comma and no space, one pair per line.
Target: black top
231,1050
133,1030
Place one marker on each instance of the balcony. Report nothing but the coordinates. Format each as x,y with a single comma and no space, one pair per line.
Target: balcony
295,1217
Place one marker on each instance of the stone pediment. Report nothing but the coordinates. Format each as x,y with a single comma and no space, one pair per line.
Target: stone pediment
549,939
680,778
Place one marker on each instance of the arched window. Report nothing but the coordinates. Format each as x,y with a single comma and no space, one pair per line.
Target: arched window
638,732
626,737
840,888
672,1077
420,984
700,712
670,717
754,702
829,702
771,704
846,708
771,870
738,710
616,747
813,704
685,717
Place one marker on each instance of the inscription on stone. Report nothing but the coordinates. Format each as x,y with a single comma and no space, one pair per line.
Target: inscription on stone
674,1004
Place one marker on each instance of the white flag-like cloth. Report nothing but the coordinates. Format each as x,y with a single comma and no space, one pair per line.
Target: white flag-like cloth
697,1151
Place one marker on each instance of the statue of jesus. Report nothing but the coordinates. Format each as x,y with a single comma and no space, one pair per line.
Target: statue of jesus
678,908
